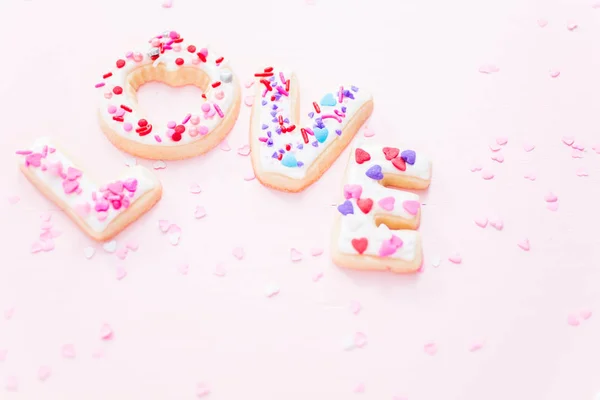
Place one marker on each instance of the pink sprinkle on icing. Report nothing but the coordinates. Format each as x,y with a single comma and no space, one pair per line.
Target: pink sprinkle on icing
338,119
219,111
281,78
99,85
157,138
282,91
186,119
127,127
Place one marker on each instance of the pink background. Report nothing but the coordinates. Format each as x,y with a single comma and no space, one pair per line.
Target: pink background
421,60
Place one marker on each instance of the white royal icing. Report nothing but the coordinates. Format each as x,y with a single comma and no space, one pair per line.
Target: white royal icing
220,97
43,158
294,162
358,225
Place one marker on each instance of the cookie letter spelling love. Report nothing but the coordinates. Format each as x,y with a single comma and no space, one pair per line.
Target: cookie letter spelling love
289,154
376,224
176,62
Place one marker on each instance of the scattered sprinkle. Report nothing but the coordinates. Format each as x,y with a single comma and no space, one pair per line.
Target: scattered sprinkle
202,390
44,373
488,69
476,167
528,147
238,253
89,252
9,313
497,223
121,273
481,222
487,175
110,247
106,332
174,233
249,100
224,145
249,176
572,320
542,23
355,307
550,197
122,253
132,245
183,269
585,314
581,172
244,150
530,175
568,140
159,164
195,188
220,270
455,258
368,132
524,244
317,277
498,157
436,262
13,199
199,212
554,73
167,3
163,225
316,251
495,147
552,206
359,388
476,347
502,140
271,290
295,255
430,348
68,351
572,26
577,153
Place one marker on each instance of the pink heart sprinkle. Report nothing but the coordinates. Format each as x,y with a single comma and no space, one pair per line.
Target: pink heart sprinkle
411,206
577,153
530,175
238,253
550,197
581,172
572,26
220,270
11,384
224,145
106,332
578,146
44,373
498,157
121,253
502,140
494,147
455,258
487,175
295,255
387,248
121,273
159,164
368,132
476,346
585,314
524,244
45,216
202,390
552,206
497,223
554,73
387,203
183,269
48,245
195,188
360,340
244,150
68,351
317,277
430,348
596,148
164,225
488,69
249,83
36,247
132,245
542,23
167,3
481,222
316,251
352,191
359,388
568,140
108,95
200,212
476,168
249,100
355,307
528,147
13,199
572,320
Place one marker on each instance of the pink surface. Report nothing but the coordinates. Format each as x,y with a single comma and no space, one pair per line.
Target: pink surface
422,60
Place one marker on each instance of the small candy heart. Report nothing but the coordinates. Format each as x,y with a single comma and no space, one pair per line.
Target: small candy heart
387,203
365,205
524,244
390,153
244,150
572,320
552,206
360,339
271,290
316,251
585,314
502,140
89,252
70,186
498,157
411,206
110,247
359,388
476,168
497,223
159,164
387,248
220,271
224,145
68,351
355,307
195,188
202,390
106,332
200,212
163,225
550,197
409,156
528,147
430,348
115,187
328,100
361,156
183,269
375,172
542,23
581,172
44,373
36,247
289,160
568,140
352,191
360,245
554,73
321,134
572,26
346,208
455,258
530,175
130,184
249,100
487,175
481,222
495,147
249,175
295,255
120,273
238,253
399,163
73,173
122,253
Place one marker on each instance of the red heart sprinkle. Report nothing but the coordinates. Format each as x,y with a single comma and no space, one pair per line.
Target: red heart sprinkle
362,156
365,205
399,163
390,153
360,245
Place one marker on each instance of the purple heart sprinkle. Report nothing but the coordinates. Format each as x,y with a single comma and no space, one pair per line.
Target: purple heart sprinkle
300,146
270,142
278,130
275,155
344,109
274,120
272,78
275,107
315,144
354,88
273,113
338,131
300,163
311,114
269,133
375,172
264,102
281,151
287,120
265,126
409,156
346,208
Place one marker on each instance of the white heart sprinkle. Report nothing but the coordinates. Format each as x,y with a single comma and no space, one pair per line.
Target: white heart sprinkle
271,290
195,188
295,255
89,252
110,247
224,145
159,164
200,212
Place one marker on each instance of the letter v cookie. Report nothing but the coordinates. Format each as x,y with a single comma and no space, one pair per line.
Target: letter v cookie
376,226
100,211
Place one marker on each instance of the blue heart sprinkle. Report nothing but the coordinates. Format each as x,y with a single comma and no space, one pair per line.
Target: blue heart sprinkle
346,208
321,134
289,160
375,172
328,100
409,156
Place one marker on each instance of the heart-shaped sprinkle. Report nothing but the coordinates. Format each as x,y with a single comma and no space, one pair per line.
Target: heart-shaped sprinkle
321,134
572,320
409,156
361,156
249,100
455,258
476,346
159,164
360,339
387,248
106,332
360,245
498,157
289,160
568,140
36,247
174,233
13,199
481,222
167,3
436,261
476,168
200,212
195,188
220,270
585,314
359,388
411,206
552,206
581,172
295,255
352,191
244,150
271,290
89,252
375,172
550,197
528,147
346,208
387,203
502,140
122,253
365,205
578,146
430,348
554,73
524,244
225,145
316,251
183,269
70,186
115,187
249,175
120,273
130,184
328,100
572,26
487,175
488,69
68,351
317,277
163,225
497,223
44,373
355,307
577,153
238,253
390,153
202,390
73,173
542,23
495,147
399,163
368,132
132,245
110,247
8,313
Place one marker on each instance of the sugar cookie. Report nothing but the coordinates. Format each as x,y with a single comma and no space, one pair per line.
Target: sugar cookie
288,156
175,62
376,225
100,211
